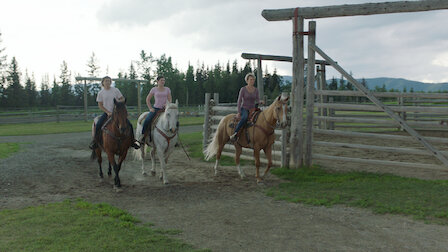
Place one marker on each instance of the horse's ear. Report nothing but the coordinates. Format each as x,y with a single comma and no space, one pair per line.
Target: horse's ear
279,97
177,103
115,101
125,100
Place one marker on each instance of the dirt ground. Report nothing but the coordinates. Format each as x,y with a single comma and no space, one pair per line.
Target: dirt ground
221,213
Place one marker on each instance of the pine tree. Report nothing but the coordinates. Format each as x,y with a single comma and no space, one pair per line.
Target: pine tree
14,90
45,96
93,68
30,91
66,92
3,66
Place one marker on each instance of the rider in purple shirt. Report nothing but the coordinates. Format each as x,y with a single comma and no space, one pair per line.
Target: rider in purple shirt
247,99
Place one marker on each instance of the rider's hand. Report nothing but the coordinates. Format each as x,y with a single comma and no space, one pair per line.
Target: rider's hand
152,110
109,114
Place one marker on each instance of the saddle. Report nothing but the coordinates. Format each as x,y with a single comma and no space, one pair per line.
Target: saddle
153,122
251,120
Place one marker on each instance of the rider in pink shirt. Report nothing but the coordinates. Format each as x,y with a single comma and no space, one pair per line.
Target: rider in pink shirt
161,95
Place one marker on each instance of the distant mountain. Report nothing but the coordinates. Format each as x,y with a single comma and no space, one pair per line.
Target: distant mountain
394,83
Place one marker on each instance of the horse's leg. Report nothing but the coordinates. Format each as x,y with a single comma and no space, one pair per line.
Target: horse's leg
109,172
161,156
153,161
142,149
268,153
218,155
100,160
111,158
238,151
257,165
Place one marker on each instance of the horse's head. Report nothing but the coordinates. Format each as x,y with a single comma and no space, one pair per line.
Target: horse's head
280,109
172,116
120,115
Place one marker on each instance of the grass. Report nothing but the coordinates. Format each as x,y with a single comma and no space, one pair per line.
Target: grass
78,225
68,127
382,193
7,149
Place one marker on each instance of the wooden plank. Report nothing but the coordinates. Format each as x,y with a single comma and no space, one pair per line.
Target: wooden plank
274,58
379,121
355,9
374,108
411,151
384,94
79,78
386,109
380,162
378,136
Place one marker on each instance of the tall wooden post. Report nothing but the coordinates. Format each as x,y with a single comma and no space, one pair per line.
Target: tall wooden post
206,132
298,62
139,98
324,98
85,100
216,98
310,94
260,85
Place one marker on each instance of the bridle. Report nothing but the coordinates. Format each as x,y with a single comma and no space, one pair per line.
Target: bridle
164,132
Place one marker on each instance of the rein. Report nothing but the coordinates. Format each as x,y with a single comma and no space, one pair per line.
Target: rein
168,139
111,134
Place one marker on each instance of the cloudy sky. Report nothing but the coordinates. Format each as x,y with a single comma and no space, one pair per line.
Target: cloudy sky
41,34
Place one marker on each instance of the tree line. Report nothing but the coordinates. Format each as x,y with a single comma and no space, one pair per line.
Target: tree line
188,87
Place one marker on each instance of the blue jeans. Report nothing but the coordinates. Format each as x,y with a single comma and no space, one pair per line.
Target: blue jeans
244,116
99,124
148,119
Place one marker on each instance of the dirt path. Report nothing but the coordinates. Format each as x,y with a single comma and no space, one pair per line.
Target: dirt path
221,213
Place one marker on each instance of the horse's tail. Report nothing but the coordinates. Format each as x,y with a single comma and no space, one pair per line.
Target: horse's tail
93,155
212,147
138,154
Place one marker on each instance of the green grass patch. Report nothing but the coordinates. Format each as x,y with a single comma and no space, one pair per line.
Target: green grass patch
7,149
22,129
81,226
382,193
193,142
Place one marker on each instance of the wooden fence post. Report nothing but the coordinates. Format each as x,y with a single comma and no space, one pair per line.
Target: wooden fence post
85,101
284,139
310,94
216,98
206,133
298,63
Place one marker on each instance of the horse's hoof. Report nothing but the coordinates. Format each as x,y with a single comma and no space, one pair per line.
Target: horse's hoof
166,182
144,173
153,173
216,173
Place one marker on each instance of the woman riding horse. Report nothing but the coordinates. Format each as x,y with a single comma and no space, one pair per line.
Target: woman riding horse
105,99
259,137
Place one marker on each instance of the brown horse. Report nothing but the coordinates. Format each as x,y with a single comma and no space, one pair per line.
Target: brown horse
117,137
261,136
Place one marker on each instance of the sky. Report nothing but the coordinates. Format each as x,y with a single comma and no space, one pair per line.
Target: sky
42,34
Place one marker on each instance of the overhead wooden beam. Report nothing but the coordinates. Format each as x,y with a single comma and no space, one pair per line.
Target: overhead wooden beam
253,56
79,78
355,9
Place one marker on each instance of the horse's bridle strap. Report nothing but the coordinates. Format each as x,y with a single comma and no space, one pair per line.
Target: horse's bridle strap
168,139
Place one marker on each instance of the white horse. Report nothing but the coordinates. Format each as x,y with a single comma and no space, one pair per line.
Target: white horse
164,137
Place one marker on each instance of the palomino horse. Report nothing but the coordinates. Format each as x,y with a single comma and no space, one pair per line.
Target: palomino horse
261,136
164,138
116,140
